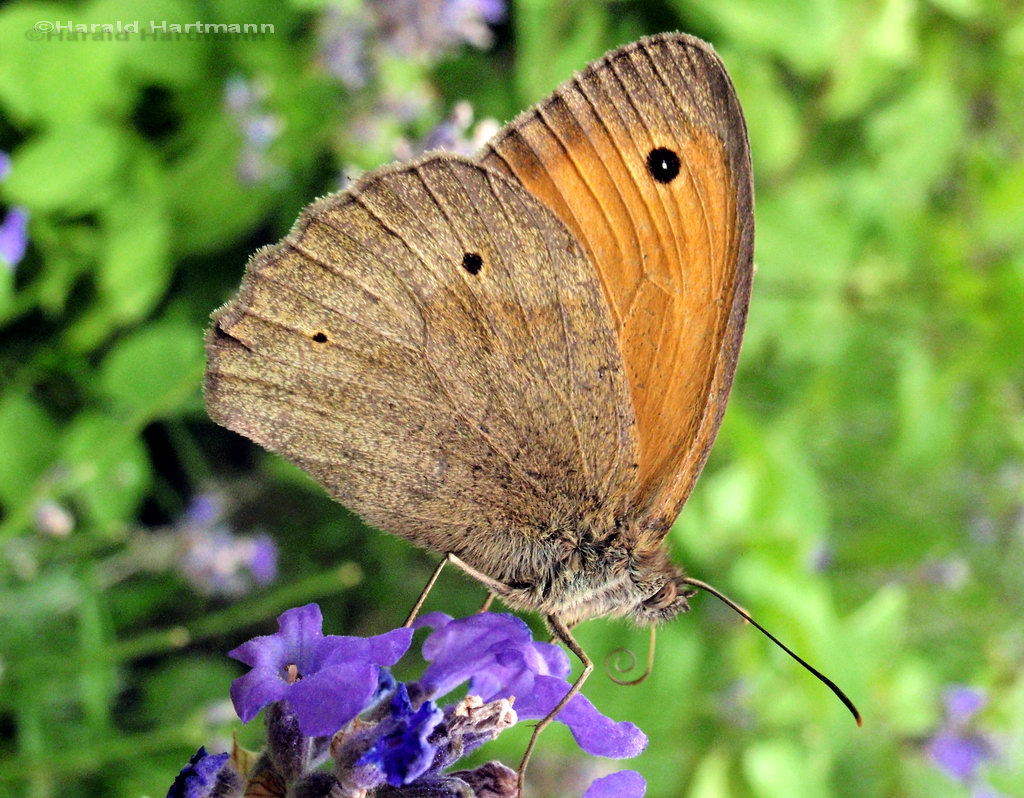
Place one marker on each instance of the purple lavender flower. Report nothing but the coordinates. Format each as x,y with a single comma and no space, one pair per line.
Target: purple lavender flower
949,572
822,556
5,165
331,697
221,563
408,747
624,784
261,130
455,133
404,753
244,100
429,28
956,748
343,38
199,777
262,559
240,95
958,754
14,236
214,559
205,509
963,703
497,653
327,680
469,20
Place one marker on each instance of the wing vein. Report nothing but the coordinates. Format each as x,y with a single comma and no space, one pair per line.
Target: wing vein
541,493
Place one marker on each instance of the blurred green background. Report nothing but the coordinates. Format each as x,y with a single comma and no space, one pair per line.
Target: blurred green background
865,499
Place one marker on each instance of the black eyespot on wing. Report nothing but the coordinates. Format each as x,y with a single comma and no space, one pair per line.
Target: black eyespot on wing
320,337
472,262
663,164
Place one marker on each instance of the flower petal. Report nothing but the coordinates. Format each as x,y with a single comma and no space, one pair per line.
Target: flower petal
252,692
262,559
962,703
624,784
960,755
383,649
403,754
198,777
556,661
328,699
299,632
435,620
464,647
265,651
508,676
14,236
388,648
300,627
595,733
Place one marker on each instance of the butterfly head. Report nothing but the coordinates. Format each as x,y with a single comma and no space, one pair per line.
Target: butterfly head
661,592
626,573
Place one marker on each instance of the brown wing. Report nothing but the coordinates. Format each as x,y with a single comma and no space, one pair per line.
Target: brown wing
674,257
434,349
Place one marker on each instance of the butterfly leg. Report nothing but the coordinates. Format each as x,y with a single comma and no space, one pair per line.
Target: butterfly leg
491,596
426,591
562,633
557,638
495,587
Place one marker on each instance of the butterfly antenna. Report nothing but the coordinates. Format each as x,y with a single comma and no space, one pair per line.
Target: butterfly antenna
614,662
746,615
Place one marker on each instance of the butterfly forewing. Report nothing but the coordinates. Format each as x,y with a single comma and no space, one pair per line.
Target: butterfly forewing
433,347
644,156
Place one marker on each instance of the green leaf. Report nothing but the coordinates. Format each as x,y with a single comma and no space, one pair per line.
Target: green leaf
49,79
148,59
880,43
153,371
770,110
7,304
135,265
70,168
29,441
98,679
806,34
67,249
915,139
712,777
108,468
555,38
913,710
782,769
926,410
210,205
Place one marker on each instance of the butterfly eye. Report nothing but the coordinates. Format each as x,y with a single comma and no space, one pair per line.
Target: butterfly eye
663,164
663,597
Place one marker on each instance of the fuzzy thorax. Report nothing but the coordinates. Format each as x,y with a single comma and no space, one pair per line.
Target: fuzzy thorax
579,575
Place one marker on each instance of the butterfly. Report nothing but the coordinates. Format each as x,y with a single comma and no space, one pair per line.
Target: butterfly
519,360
